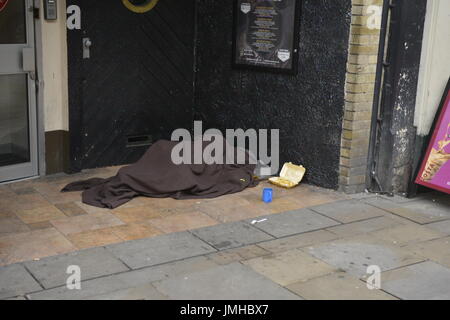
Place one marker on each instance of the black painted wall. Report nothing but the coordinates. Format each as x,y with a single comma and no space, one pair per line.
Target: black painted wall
307,108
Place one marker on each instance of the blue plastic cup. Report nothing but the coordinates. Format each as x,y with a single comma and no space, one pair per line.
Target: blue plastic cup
268,195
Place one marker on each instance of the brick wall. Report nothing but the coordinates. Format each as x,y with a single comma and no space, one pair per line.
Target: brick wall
359,94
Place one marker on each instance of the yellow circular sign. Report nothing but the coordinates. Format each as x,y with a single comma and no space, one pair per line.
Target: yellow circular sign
143,7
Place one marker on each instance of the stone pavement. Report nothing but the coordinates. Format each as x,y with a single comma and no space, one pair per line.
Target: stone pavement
319,252
37,220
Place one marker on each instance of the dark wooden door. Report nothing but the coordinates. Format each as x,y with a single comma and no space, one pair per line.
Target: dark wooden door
137,82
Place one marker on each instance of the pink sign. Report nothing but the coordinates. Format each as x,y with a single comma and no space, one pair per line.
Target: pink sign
435,170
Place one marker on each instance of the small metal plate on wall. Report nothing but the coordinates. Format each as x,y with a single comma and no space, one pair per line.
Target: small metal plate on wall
87,44
139,141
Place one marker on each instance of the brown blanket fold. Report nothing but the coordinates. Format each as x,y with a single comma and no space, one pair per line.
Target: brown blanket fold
155,175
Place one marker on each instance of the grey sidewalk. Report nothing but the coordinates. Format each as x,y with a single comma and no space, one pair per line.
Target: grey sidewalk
316,253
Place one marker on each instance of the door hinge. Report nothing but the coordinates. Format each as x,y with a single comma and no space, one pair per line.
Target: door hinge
36,13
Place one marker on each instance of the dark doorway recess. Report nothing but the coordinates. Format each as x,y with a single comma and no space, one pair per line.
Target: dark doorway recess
137,84
392,155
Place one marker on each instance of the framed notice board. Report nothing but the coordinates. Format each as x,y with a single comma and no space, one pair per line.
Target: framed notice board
435,170
266,35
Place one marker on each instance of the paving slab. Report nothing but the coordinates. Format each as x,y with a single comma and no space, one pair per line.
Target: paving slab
337,286
356,254
407,234
158,250
16,281
289,267
298,241
168,270
19,298
421,211
231,282
231,235
362,227
109,286
146,292
437,250
430,196
90,288
294,222
443,226
349,211
423,281
52,272
238,254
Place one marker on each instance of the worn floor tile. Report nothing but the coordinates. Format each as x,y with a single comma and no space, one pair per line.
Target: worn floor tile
5,190
423,281
294,222
183,222
289,267
238,254
34,244
29,202
284,204
12,225
167,203
230,282
40,225
4,214
318,197
160,249
40,214
16,281
91,209
85,223
52,272
407,234
337,286
95,238
443,226
59,197
70,209
230,201
437,250
349,211
356,254
231,235
137,214
298,241
362,227
25,190
135,231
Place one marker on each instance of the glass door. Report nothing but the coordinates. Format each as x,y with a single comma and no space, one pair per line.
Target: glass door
18,127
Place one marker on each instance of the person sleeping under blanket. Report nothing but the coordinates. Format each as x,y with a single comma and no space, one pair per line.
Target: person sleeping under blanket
156,175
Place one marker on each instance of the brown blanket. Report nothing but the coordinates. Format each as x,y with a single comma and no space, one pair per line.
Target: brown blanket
155,175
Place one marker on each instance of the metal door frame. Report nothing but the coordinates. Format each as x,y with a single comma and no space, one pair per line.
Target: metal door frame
29,169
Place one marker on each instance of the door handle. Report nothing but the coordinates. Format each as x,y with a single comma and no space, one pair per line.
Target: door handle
87,44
